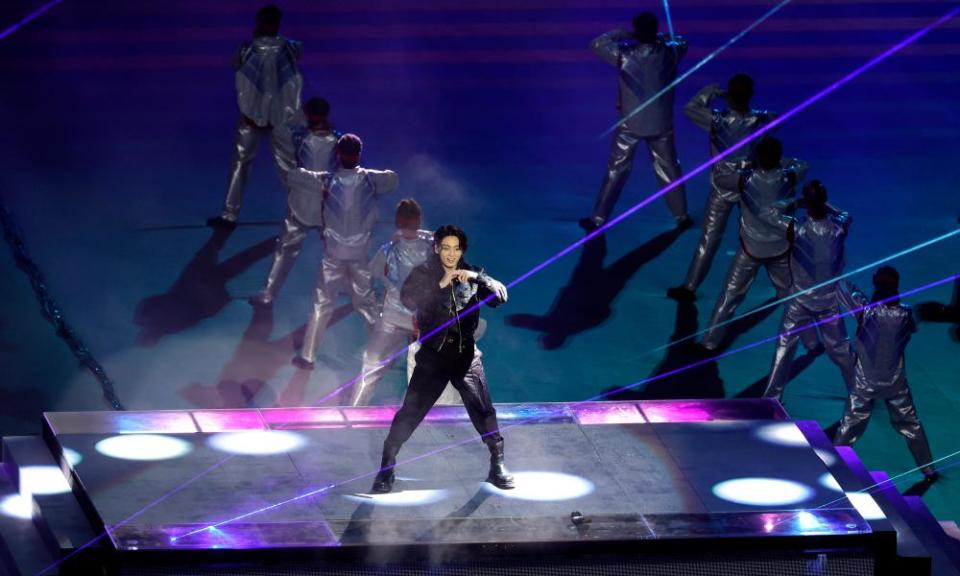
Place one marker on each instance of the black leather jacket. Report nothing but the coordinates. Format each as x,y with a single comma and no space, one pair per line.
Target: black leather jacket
434,306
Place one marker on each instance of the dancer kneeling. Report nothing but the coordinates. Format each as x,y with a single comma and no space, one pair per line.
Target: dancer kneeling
444,293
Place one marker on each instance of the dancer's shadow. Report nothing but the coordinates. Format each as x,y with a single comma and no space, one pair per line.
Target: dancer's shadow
257,359
682,373
585,301
943,313
798,365
455,519
199,292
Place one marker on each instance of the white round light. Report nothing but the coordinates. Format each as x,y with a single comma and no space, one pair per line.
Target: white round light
544,486
43,480
143,447
785,433
762,491
825,456
830,483
72,456
257,442
401,498
16,506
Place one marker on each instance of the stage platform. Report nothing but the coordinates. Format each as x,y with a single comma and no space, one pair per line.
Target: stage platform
626,485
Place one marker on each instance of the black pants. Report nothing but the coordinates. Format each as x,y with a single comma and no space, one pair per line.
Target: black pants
434,369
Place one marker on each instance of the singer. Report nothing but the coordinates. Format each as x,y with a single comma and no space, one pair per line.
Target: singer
445,292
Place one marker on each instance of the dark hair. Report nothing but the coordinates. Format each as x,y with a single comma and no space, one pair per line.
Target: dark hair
815,194
887,280
740,90
317,107
268,20
408,214
768,153
450,230
349,147
645,27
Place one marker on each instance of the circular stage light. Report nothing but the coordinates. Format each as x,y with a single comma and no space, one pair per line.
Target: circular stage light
257,442
544,486
16,506
785,433
43,480
401,498
143,447
830,483
72,456
762,491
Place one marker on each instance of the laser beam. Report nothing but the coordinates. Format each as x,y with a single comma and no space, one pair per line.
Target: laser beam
28,18
825,283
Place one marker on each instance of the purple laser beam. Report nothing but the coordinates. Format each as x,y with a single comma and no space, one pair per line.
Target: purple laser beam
436,451
29,18
135,515
683,179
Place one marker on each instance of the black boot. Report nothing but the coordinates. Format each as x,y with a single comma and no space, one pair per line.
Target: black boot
383,482
499,476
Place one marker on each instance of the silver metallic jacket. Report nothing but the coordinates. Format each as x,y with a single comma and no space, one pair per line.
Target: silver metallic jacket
349,206
645,69
883,333
268,81
817,257
316,150
763,232
726,128
393,263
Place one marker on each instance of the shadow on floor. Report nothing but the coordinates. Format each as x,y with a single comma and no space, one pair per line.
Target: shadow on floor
584,303
255,362
199,292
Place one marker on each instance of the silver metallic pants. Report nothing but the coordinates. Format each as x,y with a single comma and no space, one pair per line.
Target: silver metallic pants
715,216
288,248
903,417
835,340
334,274
245,145
385,340
666,167
743,271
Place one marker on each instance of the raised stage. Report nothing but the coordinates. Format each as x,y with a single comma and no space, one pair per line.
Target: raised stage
662,487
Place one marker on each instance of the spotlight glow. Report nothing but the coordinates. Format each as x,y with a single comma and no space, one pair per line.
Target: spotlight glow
401,498
143,447
544,487
785,433
866,505
17,506
73,457
807,521
762,491
830,483
257,442
43,480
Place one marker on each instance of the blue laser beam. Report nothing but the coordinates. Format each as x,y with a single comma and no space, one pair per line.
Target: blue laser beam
601,396
679,182
706,60
28,18
666,10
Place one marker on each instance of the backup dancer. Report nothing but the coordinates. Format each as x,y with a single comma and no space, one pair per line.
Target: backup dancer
268,86
646,62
